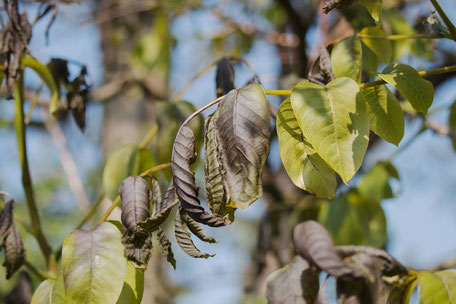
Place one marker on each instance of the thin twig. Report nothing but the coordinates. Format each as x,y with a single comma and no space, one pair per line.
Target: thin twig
445,19
39,273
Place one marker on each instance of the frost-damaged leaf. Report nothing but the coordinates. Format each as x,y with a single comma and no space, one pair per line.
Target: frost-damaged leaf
385,114
43,294
418,91
14,251
165,245
332,4
437,287
224,77
452,122
374,7
196,229
133,287
346,58
135,198
296,283
94,265
313,243
334,120
184,180
170,200
22,292
381,47
216,188
6,220
184,238
304,166
242,131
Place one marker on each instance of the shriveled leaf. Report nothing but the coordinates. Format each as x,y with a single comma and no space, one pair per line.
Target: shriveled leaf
22,291
196,229
296,283
165,245
304,166
184,179
216,188
135,200
243,141
352,219
184,238
94,265
157,199
313,243
374,185
418,91
170,200
334,120
346,58
381,47
6,220
43,294
435,289
452,122
332,4
385,114
374,7
14,251
133,286
326,70
224,77
138,246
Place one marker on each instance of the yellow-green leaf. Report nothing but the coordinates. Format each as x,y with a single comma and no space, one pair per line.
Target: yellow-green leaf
381,47
43,293
133,287
374,7
346,58
374,185
448,277
432,288
304,166
334,119
418,91
385,114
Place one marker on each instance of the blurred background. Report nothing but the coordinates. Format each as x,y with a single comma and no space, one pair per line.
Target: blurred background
140,53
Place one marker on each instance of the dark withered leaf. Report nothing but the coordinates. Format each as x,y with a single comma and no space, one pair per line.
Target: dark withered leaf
135,200
332,4
78,97
6,220
325,65
296,283
157,199
224,77
313,243
59,70
14,251
184,238
182,157
138,246
216,188
196,229
165,245
170,200
242,131
22,292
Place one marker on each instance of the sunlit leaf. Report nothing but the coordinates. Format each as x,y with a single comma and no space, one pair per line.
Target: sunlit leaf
346,58
374,7
43,294
133,286
304,166
448,277
434,289
381,47
418,91
334,120
58,291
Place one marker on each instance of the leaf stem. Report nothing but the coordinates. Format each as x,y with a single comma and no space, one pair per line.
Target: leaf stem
402,37
26,178
445,19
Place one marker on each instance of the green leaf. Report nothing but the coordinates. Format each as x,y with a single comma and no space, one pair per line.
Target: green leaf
418,91
93,265
243,141
58,292
374,7
374,185
452,122
399,26
382,48
448,277
46,76
351,219
369,60
304,166
385,114
133,287
433,288
43,293
335,121
346,58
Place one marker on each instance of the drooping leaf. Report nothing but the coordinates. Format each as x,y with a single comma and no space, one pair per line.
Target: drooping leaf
435,289
385,114
332,4
14,251
224,77
216,187
43,294
165,245
374,186
346,58
452,122
304,166
6,220
184,238
314,244
184,179
157,199
334,120
133,286
135,200
170,200
374,7
352,219
381,47
418,91
196,229
242,131
22,291
94,265
296,283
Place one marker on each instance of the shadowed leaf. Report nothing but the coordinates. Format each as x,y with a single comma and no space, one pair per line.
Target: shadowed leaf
6,220
346,58
22,292
452,122
332,4
43,294
133,287
197,230
135,199
374,7
165,245
224,77
381,47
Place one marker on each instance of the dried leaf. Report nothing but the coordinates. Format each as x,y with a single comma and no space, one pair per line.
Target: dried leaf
14,251
196,229
22,292
6,219
325,65
165,245
224,77
332,4
157,199
184,180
